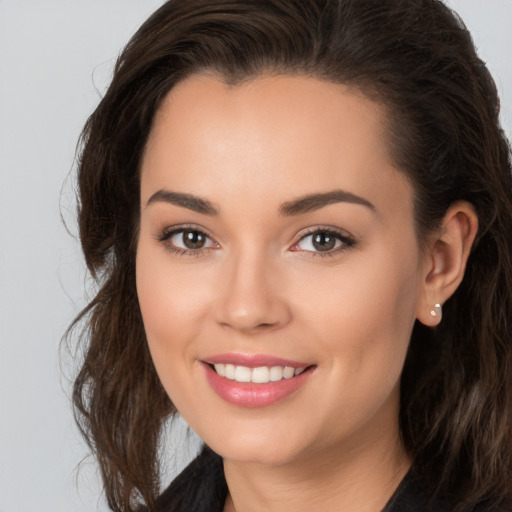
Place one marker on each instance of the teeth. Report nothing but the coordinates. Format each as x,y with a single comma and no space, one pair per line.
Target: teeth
230,371
260,375
276,373
221,369
288,372
243,374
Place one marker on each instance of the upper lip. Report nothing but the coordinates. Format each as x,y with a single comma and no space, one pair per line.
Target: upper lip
254,360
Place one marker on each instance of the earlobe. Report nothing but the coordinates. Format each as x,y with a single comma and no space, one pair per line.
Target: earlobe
429,314
445,261
437,312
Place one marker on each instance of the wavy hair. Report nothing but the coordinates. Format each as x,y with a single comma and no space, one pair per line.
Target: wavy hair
417,59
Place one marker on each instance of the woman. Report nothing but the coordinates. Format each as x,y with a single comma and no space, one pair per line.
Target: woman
299,215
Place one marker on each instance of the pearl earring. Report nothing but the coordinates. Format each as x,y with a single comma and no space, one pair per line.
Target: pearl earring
437,311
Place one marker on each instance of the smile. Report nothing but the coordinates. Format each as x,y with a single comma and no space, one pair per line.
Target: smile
259,375
254,381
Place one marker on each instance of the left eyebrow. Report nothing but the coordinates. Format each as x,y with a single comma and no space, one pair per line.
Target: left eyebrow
189,201
314,202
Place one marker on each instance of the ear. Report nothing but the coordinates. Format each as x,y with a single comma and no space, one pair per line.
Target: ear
445,261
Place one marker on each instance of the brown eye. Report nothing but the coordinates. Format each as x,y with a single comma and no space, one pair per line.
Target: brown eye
193,239
187,240
323,241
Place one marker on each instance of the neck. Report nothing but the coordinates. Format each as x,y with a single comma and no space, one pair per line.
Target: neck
344,478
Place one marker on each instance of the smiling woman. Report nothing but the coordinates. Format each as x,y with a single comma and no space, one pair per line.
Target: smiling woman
300,219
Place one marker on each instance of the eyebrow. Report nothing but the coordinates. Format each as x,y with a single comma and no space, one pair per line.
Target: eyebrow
188,201
298,206
314,202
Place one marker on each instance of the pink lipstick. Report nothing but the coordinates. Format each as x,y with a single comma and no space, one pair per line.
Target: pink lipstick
254,380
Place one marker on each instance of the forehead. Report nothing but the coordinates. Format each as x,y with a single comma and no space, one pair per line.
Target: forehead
275,134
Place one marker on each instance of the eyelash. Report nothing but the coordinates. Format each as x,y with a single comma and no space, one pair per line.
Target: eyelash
347,241
168,233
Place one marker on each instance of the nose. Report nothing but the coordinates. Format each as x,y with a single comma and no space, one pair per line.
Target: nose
251,299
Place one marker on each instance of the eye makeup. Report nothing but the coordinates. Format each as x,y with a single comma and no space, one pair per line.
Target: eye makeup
192,240
324,242
186,240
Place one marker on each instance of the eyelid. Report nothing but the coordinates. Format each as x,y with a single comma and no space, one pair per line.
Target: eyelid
170,230
347,240
164,235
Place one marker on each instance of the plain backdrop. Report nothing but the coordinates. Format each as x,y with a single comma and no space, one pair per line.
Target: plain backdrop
56,58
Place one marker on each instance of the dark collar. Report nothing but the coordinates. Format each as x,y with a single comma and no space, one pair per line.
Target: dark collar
200,487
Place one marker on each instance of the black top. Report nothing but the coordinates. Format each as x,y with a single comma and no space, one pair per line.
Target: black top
201,487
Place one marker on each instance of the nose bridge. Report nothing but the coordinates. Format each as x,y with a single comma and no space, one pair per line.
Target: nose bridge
250,300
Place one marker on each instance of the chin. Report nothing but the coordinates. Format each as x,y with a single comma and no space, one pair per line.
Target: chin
265,456
276,448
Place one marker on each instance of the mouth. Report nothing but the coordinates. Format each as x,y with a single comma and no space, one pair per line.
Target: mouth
258,375
255,381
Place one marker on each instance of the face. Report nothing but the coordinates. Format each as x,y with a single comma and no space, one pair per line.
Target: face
278,270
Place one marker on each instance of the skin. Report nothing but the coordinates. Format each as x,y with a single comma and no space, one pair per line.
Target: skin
259,286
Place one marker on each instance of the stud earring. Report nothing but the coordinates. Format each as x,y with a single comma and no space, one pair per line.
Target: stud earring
437,311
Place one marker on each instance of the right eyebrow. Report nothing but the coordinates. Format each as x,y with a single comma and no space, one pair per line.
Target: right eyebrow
189,201
314,202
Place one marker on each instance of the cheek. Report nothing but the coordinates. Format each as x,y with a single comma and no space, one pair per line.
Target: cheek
170,300
170,310
170,307
364,315
377,293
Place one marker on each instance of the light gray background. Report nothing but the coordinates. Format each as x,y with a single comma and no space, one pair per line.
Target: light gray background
55,59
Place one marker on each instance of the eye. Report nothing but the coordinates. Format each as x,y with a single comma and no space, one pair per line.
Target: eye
186,241
324,241
190,239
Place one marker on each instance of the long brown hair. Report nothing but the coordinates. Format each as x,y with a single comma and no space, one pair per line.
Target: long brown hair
415,57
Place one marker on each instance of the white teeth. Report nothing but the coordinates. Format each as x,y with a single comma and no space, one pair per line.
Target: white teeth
260,375
276,373
230,371
220,369
288,372
243,374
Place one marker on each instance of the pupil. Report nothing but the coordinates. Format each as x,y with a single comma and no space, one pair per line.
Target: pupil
193,239
324,242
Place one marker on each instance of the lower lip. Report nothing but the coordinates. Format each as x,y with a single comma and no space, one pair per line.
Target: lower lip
248,394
